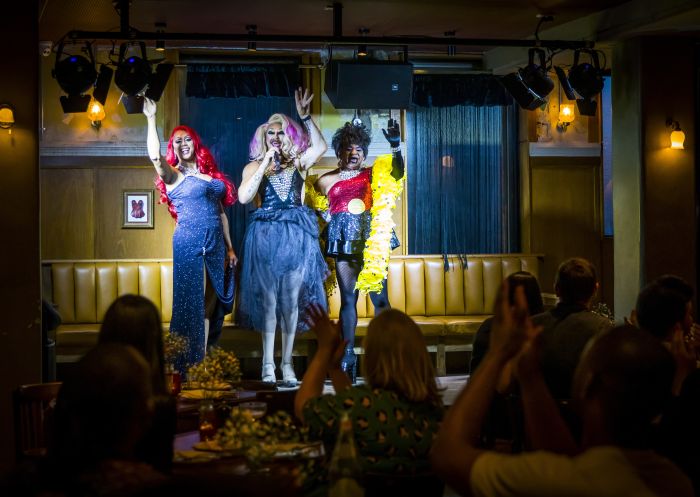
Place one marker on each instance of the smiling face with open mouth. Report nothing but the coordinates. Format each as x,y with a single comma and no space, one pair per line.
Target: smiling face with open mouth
183,146
352,157
274,136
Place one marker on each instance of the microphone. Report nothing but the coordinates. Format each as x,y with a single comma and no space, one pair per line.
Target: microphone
278,161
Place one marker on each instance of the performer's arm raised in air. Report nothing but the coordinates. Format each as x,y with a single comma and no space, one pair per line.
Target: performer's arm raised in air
393,136
166,173
317,145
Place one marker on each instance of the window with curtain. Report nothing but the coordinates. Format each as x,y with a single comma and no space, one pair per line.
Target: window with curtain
462,176
225,103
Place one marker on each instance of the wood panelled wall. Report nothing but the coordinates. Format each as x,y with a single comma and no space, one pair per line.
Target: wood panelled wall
565,211
82,215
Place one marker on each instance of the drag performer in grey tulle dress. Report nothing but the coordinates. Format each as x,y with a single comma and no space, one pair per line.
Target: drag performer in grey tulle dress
283,269
203,257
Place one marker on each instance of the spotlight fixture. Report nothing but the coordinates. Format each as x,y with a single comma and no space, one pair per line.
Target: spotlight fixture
586,80
135,78
133,73
75,75
677,135
530,85
252,31
160,44
7,117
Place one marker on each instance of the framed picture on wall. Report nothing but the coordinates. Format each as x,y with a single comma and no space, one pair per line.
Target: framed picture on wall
137,209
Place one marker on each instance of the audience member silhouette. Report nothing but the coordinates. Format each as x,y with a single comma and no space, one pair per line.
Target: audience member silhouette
621,384
134,320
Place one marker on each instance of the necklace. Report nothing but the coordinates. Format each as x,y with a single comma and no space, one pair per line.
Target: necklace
348,173
188,171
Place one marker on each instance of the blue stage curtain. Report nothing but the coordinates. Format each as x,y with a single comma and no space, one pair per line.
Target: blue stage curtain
226,126
462,184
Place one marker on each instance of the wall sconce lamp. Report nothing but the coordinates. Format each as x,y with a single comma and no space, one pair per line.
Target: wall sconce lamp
96,113
7,117
677,135
566,116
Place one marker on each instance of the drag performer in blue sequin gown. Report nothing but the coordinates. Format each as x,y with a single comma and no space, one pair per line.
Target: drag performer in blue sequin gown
283,269
203,257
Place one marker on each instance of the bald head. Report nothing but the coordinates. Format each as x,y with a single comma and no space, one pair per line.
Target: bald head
628,373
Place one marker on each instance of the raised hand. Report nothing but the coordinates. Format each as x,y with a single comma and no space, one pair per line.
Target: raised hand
303,100
149,107
392,133
327,333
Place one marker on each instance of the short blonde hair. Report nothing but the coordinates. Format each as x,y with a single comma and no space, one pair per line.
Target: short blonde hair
396,358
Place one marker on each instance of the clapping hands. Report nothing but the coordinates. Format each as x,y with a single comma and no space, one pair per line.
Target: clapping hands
330,341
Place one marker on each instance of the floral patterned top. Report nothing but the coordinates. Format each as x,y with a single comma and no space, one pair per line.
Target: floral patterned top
392,433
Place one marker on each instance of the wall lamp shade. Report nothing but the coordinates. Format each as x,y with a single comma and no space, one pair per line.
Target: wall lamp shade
75,75
7,117
566,113
96,113
677,135
530,85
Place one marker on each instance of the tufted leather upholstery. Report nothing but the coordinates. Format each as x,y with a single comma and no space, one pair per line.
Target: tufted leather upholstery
448,305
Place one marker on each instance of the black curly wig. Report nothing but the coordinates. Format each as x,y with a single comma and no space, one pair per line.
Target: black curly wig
348,135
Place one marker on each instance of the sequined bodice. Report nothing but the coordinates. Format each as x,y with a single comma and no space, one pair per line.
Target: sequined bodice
346,191
281,190
196,201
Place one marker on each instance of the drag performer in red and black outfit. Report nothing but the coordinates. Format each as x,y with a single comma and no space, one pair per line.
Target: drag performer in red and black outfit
354,210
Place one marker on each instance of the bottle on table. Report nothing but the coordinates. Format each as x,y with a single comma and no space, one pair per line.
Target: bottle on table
345,470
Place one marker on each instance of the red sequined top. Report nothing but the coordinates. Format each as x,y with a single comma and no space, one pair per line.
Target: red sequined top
346,190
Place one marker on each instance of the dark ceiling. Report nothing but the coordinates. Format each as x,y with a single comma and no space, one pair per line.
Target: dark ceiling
507,19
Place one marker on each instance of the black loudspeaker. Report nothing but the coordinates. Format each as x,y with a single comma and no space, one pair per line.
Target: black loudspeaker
158,81
369,85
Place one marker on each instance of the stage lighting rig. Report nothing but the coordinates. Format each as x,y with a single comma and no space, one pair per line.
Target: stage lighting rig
75,75
530,85
135,78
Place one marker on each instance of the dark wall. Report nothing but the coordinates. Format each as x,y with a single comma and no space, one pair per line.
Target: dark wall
669,192
20,305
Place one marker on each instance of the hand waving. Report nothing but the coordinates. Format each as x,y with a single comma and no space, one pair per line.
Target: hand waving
149,107
392,133
303,100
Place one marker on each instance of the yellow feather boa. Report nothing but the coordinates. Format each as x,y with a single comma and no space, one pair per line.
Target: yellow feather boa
385,191
319,202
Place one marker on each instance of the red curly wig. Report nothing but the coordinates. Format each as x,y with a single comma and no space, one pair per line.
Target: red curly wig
205,165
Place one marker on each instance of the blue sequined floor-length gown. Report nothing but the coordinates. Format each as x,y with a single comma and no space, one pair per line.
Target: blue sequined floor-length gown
198,246
283,269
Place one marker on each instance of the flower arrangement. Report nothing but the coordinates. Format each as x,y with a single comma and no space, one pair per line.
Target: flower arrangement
256,438
218,367
174,348
385,191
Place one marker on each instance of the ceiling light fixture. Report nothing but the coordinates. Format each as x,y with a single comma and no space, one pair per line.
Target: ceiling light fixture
75,75
451,49
362,48
252,32
160,43
135,78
